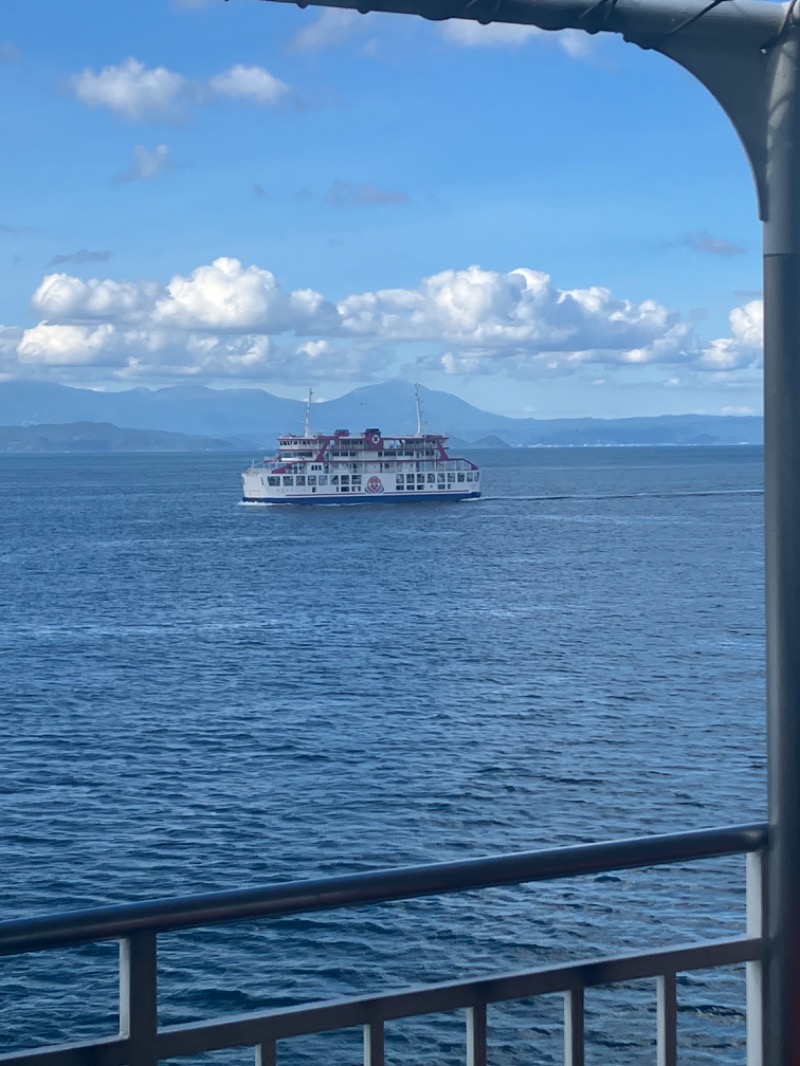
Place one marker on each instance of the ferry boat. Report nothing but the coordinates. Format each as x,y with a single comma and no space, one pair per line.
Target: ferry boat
368,467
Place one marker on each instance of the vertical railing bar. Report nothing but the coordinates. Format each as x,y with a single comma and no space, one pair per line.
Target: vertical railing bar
138,997
667,1042
477,1035
267,1053
756,901
374,1044
573,1027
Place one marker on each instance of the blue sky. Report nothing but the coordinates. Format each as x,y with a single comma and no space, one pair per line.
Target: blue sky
246,194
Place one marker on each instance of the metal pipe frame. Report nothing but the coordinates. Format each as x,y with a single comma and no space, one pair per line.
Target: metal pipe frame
141,1042
379,886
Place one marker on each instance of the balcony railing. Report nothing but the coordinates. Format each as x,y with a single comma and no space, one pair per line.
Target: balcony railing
141,1042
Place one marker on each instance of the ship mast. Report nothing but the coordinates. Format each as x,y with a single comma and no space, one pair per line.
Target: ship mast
308,413
420,423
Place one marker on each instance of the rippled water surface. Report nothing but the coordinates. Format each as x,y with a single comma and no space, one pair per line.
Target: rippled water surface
198,695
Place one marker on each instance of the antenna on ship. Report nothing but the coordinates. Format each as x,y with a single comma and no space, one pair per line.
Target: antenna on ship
308,413
420,423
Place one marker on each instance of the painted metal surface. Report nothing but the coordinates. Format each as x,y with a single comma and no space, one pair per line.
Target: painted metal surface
378,886
142,1043
347,499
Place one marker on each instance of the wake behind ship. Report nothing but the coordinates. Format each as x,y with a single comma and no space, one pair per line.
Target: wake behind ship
368,467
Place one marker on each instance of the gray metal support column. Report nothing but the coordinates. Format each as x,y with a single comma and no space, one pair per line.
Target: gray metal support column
782,512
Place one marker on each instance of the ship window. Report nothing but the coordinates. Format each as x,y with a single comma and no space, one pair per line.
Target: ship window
323,479
273,481
312,479
345,488
469,476
335,479
300,481
440,478
287,480
345,479
451,477
315,466
356,479
431,477
460,477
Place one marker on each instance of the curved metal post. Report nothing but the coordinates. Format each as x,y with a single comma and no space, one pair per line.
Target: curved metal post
782,491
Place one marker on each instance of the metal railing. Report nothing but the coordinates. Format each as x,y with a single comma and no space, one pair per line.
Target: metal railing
141,1042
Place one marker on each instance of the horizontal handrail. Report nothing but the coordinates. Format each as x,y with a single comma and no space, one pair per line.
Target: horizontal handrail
194,1038
377,886
253,1028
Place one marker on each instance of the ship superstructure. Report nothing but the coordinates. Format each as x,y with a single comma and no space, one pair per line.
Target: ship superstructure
368,467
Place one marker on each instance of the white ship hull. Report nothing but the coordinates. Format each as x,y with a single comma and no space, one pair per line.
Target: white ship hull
254,494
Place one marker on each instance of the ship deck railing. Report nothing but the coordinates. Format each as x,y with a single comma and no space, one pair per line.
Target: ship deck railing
140,1040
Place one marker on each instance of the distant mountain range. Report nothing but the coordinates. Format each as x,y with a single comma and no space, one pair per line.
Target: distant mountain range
200,418
101,437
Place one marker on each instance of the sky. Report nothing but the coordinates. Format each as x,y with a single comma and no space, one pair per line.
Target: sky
246,194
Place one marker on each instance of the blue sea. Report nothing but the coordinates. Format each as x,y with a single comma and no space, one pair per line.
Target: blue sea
198,695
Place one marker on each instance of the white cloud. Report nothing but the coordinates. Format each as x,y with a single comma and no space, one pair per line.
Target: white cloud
224,319
470,34
156,94
747,324
54,345
228,296
147,163
741,410
133,90
254,84
484,316
64,298
224,295
331,28
744,347
133,355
